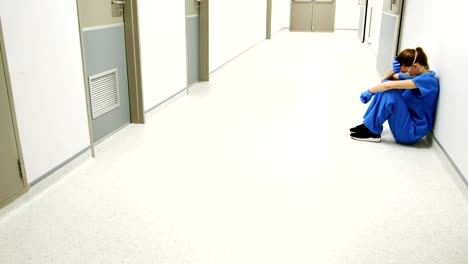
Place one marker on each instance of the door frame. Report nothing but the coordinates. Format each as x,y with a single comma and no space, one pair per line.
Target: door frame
132,51
204,40
13,117
362,38
268,19
132,46
369,22
402,20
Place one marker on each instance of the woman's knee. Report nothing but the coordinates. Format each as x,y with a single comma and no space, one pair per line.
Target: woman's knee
391,95
393,92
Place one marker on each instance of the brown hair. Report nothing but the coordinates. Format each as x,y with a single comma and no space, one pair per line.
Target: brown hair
406,57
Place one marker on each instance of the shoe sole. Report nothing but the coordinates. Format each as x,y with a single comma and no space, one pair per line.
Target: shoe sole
374,140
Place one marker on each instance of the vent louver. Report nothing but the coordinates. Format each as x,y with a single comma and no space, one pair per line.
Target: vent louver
104,92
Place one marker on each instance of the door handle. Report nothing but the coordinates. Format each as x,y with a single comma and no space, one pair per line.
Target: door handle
393,6
117,8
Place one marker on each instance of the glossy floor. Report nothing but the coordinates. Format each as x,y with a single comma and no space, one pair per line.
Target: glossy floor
255,166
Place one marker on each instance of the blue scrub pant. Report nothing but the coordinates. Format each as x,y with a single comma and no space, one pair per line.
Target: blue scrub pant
391,106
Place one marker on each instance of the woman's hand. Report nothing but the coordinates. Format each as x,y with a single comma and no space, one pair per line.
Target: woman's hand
396,65
366,96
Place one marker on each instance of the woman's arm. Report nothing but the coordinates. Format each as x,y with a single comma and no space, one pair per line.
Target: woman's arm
381,87
388,76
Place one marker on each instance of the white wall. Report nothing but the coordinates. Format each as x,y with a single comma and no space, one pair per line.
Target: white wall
280,15
235,28
44,55
163,49
438,27
347,14
286,13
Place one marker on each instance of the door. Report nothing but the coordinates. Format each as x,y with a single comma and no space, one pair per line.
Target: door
11,181
324,16
301,15
313,15
104,50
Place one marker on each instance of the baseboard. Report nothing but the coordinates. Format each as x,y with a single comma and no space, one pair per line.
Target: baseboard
447,155
158,106
43,183
62,166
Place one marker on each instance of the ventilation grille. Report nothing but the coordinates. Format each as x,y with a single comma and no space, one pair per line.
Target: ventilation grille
104,91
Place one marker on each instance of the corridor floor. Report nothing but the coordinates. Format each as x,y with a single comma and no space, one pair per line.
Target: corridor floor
254,167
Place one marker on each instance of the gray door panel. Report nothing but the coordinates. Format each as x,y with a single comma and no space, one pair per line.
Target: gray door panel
105,50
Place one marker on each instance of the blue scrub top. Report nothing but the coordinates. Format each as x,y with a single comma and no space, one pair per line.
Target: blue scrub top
422,101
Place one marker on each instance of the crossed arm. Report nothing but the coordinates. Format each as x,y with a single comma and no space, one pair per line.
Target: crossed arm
393,83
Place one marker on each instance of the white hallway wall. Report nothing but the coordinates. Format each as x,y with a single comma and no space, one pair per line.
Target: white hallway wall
234,28
347,14
44,56
280,15
163,49
438,27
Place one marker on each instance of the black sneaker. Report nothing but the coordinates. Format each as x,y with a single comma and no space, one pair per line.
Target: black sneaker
365,135
359,128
